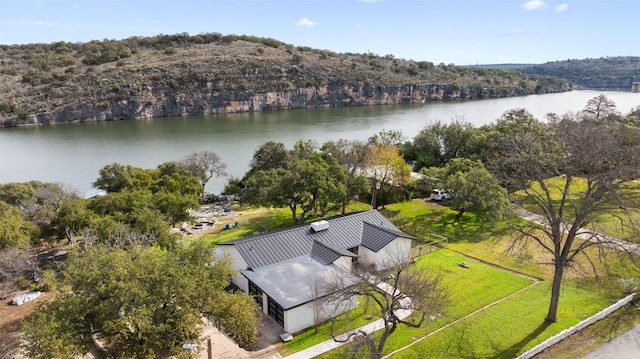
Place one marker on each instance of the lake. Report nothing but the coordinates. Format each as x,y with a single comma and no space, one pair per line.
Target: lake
74,153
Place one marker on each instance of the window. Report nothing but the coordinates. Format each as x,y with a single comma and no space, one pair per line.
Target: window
256,293
275,311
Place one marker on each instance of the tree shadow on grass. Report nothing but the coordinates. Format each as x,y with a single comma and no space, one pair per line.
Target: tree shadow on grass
511,352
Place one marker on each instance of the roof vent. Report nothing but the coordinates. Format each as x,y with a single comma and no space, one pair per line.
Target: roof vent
319,226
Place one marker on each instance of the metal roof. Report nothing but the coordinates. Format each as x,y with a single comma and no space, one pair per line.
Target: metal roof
376,237
328,253
297,280
344,232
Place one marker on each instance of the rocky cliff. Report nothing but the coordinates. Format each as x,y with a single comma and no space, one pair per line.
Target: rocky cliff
133,103
231,76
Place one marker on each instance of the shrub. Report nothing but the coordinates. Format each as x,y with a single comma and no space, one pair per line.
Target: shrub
629,285
115,88
21,283
48,280
271,42
425,65
6,107
260,50
297,59
10,70
24,115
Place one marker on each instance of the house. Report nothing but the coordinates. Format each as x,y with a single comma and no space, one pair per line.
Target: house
283,269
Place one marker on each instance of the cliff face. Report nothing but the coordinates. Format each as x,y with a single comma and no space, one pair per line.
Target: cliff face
226,77
134,103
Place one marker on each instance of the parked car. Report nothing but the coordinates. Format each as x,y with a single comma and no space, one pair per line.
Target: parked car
439,195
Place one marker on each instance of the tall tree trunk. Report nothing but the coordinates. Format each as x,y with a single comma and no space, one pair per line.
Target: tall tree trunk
374,194
555,291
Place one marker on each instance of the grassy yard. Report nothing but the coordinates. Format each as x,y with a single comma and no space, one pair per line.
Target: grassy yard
609,223
500,331
508,328
469,289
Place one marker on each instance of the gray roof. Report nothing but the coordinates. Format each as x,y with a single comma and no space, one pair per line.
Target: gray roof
344,232
328,253
376,237
297,280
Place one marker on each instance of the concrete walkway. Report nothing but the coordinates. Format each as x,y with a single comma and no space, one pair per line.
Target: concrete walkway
367,329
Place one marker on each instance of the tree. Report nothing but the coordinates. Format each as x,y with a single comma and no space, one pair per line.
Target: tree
14,230
385,167
15,263
401,288
270,155
305,180
390,137
142,302
352,156
471,186
38,203
204,165
573,173
599,107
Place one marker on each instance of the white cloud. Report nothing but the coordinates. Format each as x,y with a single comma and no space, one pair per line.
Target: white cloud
40,23
562,8
306,22
534,5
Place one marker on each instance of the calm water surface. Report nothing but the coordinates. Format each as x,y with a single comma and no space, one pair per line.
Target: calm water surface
73,154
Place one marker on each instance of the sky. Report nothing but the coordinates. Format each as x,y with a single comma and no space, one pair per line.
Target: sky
462,32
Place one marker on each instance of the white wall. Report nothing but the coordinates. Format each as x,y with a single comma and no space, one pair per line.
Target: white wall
238,264
392,254
301,317
343,262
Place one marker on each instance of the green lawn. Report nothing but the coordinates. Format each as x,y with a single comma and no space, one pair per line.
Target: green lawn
510,327
501,331
608,223
469,289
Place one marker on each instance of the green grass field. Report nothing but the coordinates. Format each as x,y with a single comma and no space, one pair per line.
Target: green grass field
502,330
469,289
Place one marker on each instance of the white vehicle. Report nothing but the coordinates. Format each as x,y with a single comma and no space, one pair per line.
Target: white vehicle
439,195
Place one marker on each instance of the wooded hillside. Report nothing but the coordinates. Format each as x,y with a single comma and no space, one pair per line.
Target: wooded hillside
173,75
603,73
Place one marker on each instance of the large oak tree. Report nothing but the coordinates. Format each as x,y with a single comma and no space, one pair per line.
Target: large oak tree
591,164
304,180
139,303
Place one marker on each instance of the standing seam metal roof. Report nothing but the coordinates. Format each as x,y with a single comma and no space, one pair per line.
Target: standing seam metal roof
328,253
376,237
345,232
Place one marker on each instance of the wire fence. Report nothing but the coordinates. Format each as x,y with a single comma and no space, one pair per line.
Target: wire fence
434,242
